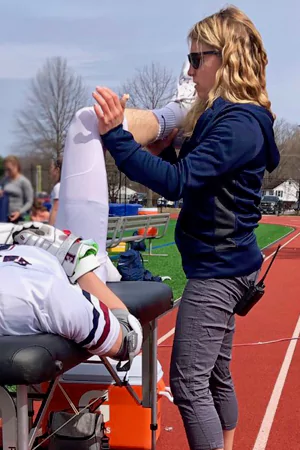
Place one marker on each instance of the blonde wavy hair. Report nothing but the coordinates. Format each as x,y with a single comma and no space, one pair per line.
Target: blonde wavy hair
242,75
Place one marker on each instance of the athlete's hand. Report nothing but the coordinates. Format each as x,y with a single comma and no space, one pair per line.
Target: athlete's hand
109,109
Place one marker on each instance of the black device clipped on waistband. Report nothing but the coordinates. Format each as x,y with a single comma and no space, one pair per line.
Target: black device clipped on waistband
254,293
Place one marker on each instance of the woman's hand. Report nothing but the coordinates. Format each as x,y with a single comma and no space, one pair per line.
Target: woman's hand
109,109
158,146
14,216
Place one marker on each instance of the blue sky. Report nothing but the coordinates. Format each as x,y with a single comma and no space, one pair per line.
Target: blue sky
105,41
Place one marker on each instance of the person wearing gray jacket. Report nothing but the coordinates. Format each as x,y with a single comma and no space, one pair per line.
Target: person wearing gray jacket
18,189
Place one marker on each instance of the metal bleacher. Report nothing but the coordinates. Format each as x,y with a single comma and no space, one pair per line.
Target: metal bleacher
120,229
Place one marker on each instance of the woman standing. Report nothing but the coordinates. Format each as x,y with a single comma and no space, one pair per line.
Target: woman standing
18,189
230,143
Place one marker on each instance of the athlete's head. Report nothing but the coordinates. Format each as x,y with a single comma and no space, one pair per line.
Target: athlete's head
228,60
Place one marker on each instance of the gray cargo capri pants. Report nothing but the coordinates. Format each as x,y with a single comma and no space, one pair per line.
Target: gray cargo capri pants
200,376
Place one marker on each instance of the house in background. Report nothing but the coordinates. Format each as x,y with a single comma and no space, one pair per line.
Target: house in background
287,191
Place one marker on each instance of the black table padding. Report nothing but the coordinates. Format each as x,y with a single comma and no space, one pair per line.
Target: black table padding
146,300
38,358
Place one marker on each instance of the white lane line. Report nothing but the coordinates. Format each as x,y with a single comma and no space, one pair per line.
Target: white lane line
166,336
283,245
266,426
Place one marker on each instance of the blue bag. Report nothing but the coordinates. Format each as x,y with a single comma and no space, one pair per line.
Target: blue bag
139,246
131,266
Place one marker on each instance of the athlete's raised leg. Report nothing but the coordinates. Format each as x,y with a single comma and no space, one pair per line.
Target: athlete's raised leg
83,203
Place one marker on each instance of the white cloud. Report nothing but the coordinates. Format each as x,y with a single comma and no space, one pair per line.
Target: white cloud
22,61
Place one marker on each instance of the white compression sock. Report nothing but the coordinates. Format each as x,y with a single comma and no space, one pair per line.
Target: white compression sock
169,117
83,198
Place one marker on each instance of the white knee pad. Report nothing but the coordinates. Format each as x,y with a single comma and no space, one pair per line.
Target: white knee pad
132,338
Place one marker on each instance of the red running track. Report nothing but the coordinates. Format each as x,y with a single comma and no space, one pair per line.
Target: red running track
267,377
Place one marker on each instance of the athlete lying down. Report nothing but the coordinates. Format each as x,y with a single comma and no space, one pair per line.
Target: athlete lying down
53,282
47,285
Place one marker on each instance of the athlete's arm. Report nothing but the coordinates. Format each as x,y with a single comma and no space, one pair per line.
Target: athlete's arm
143,125
92,284
148,126
77,316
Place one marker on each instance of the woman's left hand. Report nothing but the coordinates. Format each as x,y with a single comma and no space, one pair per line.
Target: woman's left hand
109,110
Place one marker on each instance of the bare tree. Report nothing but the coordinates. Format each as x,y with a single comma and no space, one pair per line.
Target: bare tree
151,87
283,130
34,163
114,178
287,138
55,95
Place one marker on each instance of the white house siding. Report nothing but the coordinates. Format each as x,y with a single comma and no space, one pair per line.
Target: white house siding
286,191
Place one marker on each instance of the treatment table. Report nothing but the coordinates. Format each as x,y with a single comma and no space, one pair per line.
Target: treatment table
26,361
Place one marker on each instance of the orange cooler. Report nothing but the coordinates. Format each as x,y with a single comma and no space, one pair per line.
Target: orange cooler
127,423
152,231
147,211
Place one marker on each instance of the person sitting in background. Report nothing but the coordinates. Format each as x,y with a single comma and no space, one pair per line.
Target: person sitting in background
39,212
18,189
55,173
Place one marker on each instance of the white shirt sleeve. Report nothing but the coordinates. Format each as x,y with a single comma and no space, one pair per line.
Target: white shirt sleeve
36,296
169,117
55,192
78,316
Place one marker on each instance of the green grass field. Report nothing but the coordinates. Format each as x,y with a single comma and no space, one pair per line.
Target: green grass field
171,265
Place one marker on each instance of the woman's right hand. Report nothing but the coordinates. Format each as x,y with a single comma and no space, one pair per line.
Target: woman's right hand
1,193
14,216
158,146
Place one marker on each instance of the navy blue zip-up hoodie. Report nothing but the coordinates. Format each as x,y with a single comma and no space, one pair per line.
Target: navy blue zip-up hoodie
218,175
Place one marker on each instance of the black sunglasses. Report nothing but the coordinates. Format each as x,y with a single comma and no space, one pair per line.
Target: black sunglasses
196,58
